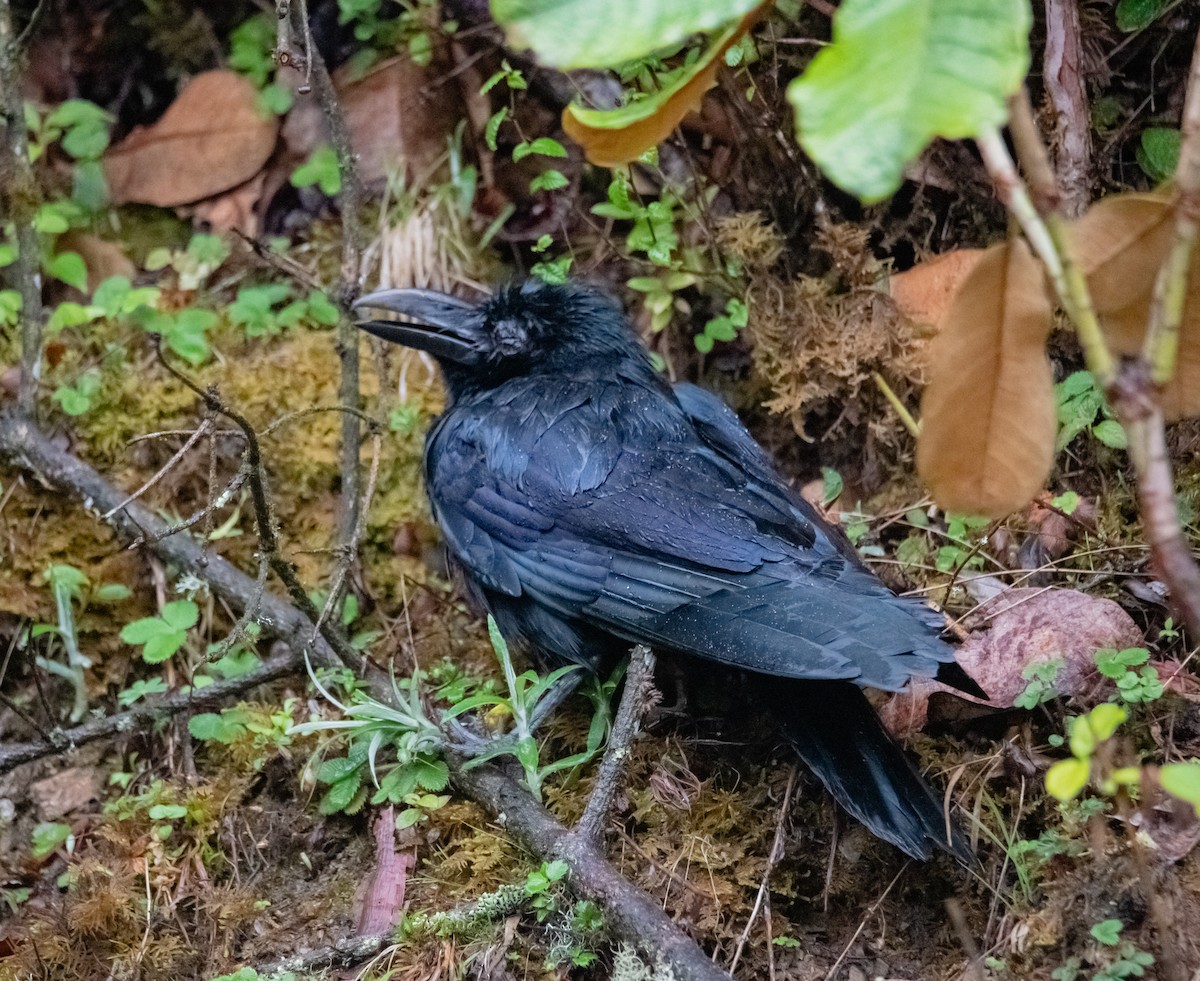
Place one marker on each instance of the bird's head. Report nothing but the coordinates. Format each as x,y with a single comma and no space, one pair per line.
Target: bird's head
523,329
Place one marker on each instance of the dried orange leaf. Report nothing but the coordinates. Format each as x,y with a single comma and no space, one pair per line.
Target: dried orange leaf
611,137
988,424
924,292
1121,242
211,138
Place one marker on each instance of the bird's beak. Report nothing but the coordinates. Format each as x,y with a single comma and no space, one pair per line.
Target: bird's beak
441,323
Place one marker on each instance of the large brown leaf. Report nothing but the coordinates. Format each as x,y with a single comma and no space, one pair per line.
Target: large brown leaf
1121,242
211,138
925,292
988,423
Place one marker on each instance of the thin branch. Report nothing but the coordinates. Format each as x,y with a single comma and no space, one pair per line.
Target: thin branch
638,681
145,714
1170,288
216,504
19,200
1046,236
293,17
201,431
1129,387
268,533
632,915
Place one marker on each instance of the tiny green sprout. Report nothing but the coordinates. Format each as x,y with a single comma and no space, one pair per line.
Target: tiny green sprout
1169,631
1108,932
1067,778
321,169
783,940
1067,502
832,485
1040,687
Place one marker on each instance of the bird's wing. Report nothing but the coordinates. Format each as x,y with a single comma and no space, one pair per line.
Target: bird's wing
658,521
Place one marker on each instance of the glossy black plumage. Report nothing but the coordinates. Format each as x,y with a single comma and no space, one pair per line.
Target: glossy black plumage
592,506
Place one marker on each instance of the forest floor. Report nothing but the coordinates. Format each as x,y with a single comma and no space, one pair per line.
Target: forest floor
218,842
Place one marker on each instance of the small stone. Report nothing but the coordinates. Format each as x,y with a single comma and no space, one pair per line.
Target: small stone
64,792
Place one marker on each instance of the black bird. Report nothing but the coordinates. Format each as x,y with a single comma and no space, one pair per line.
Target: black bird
592,506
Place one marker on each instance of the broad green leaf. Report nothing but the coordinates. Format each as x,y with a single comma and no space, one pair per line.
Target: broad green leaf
70,268
180,614
586,34
1182,780
1134,15
1104,719
1158,152
901,72
1067,778
47,837
213,727
167,812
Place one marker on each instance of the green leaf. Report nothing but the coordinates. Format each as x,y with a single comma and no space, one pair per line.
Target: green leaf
408,817
1067,778
545,146
586,34
167,812
1108,932
321,169
1135,15
180,614
550,180
186,333
48,836
1182,780
70,268
1104,719
492,130
214,727
140,689
339,768
430,773
1158,152
901,72
340,795
1111,433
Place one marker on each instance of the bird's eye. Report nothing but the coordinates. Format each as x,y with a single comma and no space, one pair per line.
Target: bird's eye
509,337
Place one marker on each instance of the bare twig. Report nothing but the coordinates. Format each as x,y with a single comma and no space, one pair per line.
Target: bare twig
150,711
638,679
1129,386
775,855
294,22
19,200
218,502
268,533
632,915
1170,288
201,431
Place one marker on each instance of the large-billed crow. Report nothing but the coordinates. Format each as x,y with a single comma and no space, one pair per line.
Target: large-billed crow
592,506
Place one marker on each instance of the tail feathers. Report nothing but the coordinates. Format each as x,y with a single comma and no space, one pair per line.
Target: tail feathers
838,735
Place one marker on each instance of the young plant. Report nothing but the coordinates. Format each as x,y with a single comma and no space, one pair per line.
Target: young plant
1133,685
525,692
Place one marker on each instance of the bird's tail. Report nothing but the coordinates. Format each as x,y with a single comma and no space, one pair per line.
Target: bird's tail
838,734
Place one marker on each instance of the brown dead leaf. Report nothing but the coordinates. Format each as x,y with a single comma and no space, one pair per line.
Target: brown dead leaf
924,292
396,117
1121,242
213,137
1019,628
612,137
102,258
66,791
988,422
233,209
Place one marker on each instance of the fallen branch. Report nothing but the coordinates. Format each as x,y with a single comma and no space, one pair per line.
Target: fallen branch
630,913
147,713
638,679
